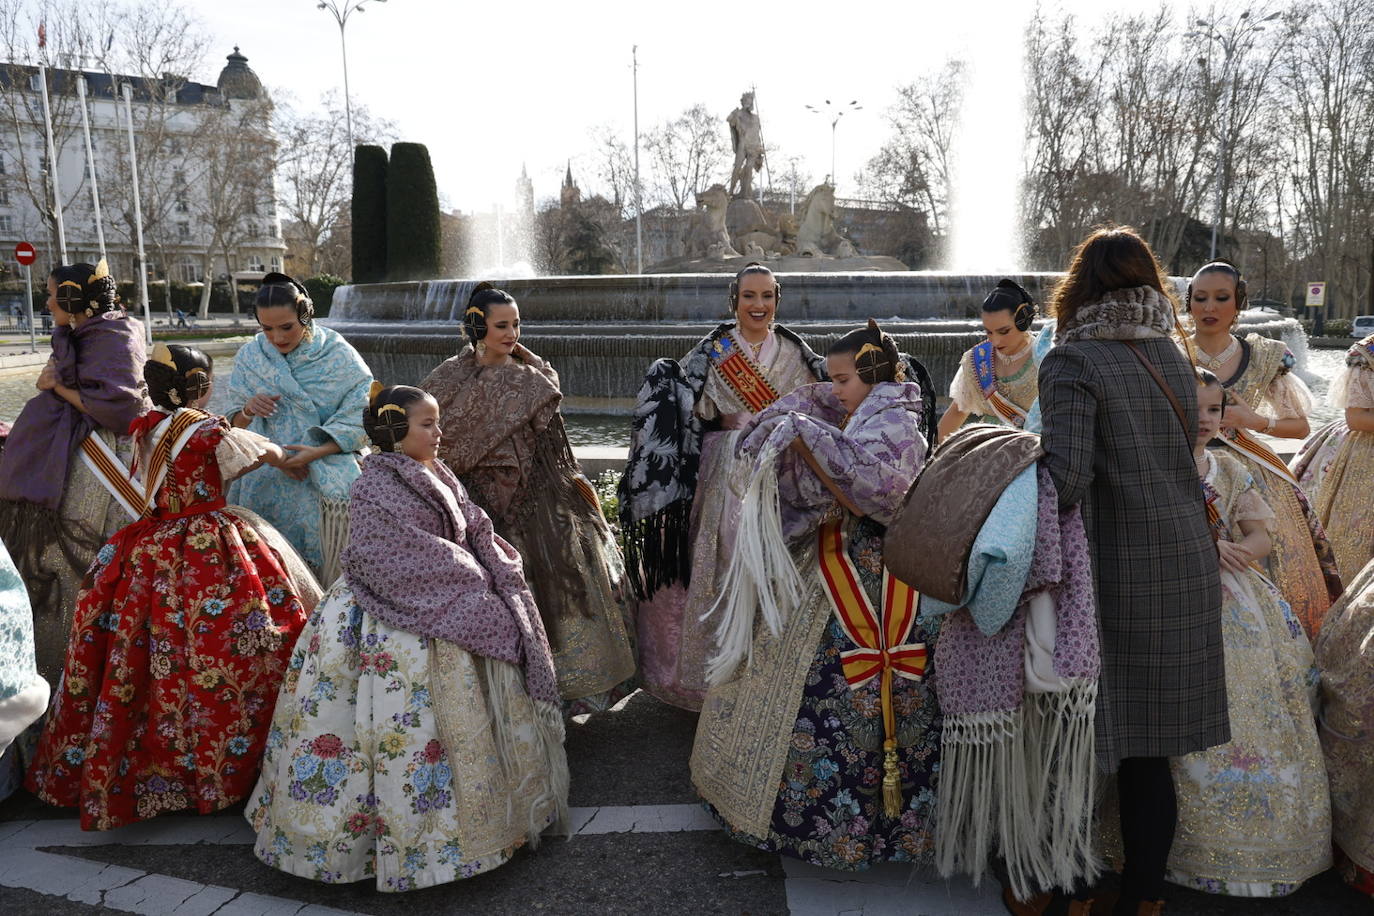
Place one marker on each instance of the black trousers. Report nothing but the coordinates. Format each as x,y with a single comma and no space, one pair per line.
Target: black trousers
1149,814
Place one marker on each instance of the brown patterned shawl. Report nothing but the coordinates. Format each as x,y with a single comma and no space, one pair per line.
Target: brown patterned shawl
505,440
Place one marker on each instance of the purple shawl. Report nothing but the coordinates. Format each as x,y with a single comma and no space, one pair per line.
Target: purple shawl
423,557
103,360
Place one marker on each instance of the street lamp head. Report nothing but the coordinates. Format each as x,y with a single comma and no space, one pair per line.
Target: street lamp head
1203,24
1271,17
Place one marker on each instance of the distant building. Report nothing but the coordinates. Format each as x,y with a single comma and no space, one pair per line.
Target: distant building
169,117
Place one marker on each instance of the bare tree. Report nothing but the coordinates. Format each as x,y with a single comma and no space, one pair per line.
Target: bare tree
685,153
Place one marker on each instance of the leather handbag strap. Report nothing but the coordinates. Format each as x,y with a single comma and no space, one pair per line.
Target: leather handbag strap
1164,387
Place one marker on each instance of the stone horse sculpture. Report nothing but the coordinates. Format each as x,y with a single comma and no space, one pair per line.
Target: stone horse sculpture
709,236
816,236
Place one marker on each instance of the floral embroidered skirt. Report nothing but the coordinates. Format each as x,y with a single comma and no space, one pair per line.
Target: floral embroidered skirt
1254,814
829,810
359,781
179,644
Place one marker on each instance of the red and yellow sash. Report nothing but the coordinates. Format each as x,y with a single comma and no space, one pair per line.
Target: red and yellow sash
882,648
1243,441
744,378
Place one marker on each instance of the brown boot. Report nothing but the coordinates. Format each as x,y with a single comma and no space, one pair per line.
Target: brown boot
1041,903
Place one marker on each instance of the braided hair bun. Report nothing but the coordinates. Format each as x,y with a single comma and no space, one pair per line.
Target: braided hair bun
876,358
85,289
483,297
1010,297
177,376
385,418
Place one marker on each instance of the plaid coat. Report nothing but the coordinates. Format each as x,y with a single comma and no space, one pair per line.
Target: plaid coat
1113,442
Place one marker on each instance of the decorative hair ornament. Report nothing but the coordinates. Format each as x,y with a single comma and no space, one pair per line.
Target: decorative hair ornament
102,269
870,348
475,317
163,355
390,407
373,390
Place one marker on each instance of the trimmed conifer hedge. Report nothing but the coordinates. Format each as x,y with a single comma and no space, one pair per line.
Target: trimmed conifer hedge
413,235
369,214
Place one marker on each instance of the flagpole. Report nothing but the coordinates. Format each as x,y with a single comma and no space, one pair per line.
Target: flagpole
138,214
52,166
90,161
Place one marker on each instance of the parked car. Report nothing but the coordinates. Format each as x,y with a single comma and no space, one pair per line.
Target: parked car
1362,326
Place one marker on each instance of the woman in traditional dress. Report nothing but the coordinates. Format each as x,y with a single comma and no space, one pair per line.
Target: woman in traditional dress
1345,657
23,694
419,735
304,387
1336,466
677,508
508,446
1120,416
1266,396
182,630
997,381
1254,814
69,449
815,741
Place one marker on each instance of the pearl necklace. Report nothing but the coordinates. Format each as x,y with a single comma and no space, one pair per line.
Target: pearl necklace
1216,362
1015,357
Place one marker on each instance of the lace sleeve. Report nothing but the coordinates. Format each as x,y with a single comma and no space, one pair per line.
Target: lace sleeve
1289,396
1251,507
238,450
964,392
1353,386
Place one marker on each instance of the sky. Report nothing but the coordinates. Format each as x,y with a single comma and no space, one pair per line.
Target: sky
489,85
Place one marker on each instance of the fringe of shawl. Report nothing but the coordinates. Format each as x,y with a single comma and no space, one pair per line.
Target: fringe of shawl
27,531
1021,781
503,682
658,549
761,576
333,538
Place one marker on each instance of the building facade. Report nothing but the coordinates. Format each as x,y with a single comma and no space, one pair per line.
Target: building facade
206,168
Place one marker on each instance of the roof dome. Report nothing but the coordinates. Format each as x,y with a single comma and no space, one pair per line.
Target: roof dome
237,80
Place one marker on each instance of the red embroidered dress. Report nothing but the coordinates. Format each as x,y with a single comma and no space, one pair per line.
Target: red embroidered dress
182,632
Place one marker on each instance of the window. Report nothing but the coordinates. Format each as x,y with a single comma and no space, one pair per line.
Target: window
182,206
254,231
2,166
176,146
6,222
190,271
255,263
35,84
276,263
42,163
184,231
179,179
4,197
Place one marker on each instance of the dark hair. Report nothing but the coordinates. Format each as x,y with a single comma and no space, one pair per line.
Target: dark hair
1208,379
1219,267
386,428
753,268
170,387
483,297
1109,259
879,363
278,289
1008,296
85,289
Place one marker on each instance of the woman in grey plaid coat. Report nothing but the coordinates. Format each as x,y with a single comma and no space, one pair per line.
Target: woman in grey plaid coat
1114,442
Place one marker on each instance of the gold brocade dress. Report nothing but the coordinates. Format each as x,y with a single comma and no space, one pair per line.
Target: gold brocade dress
1254,816
1336,466
1021,387
1266,383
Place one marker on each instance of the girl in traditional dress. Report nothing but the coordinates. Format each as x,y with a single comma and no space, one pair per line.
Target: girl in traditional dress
508,446
1266,396
304,387
23,694
677,509
997,380
1345,657
182,629
1336,466
419,735
818,738
1254,816
69,448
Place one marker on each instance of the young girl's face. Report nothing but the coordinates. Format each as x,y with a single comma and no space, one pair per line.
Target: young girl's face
845,382
423,433
1209,410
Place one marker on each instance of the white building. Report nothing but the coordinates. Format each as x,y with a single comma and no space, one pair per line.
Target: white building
206,168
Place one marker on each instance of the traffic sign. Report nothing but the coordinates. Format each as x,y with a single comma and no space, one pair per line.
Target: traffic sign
24,253
1316,294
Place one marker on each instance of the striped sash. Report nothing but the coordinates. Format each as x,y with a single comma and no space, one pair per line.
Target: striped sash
882,648
985,374
169,437
111,472
744,378
1243,441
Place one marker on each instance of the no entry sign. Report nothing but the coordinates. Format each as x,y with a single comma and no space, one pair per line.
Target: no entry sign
24,253
1316,294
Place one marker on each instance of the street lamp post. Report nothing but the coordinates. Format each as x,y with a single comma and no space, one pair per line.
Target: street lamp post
1231,46
341,10
834,111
